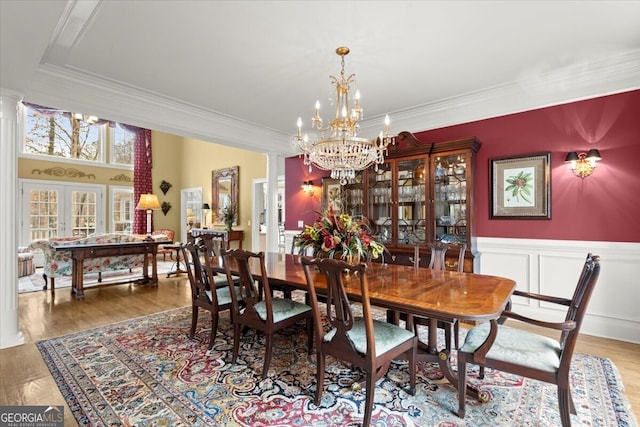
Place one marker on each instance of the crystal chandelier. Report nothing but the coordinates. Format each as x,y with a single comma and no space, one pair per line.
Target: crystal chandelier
341,151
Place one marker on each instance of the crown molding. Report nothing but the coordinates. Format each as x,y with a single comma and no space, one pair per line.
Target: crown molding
94,95
77,91
606,76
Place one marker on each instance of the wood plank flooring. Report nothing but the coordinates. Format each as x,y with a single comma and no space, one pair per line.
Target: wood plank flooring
25,379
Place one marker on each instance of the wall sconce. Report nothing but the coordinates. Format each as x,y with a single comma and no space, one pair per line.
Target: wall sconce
583,164
308,188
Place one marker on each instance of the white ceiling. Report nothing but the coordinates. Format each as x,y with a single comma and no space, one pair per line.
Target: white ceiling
241,72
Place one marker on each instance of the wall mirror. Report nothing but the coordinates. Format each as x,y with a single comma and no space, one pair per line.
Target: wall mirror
224,192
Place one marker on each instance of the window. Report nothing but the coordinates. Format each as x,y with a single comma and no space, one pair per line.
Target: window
62,134
122,145
122,210
65,135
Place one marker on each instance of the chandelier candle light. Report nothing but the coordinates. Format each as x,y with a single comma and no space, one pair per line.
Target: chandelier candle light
342,151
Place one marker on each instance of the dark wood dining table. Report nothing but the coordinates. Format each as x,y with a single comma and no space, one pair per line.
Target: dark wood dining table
435,294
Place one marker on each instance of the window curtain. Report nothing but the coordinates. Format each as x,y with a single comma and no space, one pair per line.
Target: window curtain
142,183
50,112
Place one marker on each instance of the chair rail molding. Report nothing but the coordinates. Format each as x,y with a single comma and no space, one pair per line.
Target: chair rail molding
551,267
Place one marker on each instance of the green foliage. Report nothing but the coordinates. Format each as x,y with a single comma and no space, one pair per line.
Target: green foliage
520,186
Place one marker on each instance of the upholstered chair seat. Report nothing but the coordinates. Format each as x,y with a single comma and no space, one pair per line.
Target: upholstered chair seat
517,346
282,309
387,335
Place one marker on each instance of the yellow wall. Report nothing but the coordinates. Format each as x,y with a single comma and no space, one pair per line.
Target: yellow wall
183,162
201,158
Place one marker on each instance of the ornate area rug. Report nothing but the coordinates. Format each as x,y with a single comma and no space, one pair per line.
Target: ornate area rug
35,282
147,371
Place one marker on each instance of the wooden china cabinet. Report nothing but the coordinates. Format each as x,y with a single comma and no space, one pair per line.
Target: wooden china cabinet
423,192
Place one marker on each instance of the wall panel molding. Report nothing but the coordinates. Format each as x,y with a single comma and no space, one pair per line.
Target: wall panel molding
553,266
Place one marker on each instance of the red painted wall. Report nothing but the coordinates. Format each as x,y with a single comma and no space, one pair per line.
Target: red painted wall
602,207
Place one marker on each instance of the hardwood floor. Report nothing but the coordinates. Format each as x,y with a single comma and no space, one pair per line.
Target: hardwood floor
25,379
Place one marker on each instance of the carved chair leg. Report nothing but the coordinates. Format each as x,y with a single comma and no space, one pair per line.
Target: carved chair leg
214,330
320,359
194,321
564,403
267,355
309,335
462,385
236,341
370,393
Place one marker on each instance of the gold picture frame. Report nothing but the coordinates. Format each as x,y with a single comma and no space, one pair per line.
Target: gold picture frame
521,187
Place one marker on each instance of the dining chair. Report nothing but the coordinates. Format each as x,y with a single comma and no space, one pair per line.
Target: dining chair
261,310
437,261
210,245
364,342
529,354
203,294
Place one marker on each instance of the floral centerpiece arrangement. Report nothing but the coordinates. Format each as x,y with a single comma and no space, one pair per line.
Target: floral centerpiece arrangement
228,215
339,235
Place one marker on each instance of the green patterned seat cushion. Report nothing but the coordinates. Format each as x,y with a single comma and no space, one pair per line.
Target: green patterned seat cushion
386,335
516,346
282,309
223,294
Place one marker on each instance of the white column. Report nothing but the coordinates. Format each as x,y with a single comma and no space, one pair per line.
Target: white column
10,335
272,201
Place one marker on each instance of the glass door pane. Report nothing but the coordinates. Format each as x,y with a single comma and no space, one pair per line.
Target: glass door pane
450,198
411,204
353,196
44,211
380,202
83,213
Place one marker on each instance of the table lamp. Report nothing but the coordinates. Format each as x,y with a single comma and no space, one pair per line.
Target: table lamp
205,208
191,218
148,202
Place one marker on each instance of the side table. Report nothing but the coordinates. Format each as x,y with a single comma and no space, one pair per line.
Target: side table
175,268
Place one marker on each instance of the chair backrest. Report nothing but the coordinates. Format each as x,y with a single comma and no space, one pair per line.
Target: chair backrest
579,302
199,276
438,250
339,313
241,261
211,243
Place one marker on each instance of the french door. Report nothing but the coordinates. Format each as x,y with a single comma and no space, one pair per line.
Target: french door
57,209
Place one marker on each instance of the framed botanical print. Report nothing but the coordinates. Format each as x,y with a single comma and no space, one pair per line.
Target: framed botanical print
521,187
331,194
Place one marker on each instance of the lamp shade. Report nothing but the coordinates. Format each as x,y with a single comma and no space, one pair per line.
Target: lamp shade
571,157
593,154
148,201
205,206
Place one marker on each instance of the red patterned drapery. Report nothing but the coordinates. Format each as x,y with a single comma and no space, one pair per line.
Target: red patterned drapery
141,175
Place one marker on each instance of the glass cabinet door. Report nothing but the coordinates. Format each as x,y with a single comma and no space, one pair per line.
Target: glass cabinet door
450,197
379,202
353,196
411,204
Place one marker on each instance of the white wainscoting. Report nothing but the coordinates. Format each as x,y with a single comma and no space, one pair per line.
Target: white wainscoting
552,267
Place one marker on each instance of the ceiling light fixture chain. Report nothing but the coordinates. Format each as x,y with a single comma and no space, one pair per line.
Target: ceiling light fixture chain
342,151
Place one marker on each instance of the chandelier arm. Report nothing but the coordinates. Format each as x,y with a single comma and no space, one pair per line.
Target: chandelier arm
343,152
